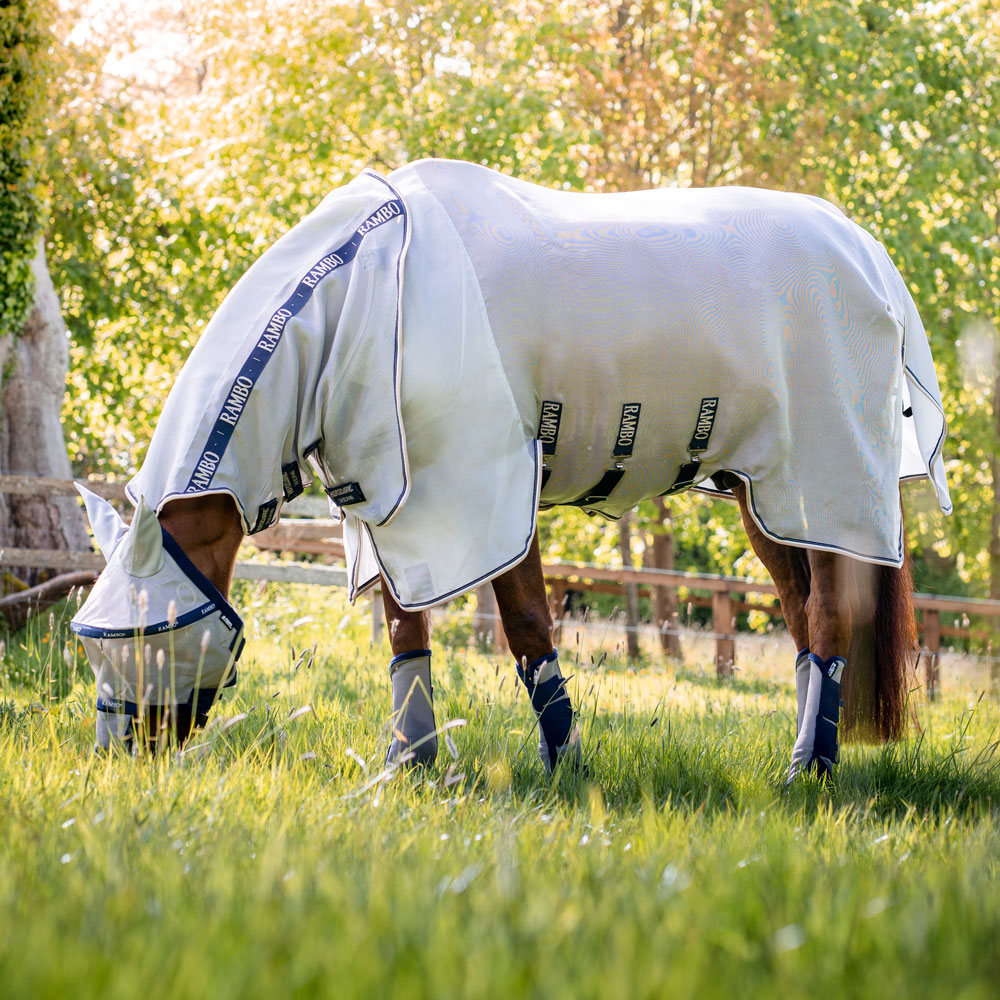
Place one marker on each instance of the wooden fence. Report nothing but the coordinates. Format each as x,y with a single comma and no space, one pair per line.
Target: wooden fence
305,530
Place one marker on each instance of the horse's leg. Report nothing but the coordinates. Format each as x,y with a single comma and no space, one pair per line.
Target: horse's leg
830,610
789,568
816,591
527,621
413,725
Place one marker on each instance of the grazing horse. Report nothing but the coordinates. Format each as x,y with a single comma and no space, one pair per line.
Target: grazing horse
449,349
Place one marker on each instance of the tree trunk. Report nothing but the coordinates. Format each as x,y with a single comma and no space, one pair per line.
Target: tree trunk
660,555
631,590
33,368
995,474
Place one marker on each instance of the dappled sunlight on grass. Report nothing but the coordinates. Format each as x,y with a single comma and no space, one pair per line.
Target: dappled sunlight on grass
677,857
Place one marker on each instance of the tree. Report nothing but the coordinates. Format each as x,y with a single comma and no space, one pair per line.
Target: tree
33,347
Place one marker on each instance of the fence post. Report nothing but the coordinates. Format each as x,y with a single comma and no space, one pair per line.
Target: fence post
486,620
932,649
377,607
722,625
557,607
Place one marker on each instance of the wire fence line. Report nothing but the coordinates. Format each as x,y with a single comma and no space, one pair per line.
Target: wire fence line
310,530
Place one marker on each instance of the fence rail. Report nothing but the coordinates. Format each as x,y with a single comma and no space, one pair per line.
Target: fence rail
308,532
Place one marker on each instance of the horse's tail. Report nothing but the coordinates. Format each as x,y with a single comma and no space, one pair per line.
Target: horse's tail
880,663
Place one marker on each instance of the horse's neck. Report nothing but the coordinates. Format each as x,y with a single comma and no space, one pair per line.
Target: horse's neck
209,530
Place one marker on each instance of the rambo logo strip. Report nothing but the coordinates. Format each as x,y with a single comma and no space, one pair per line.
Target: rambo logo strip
703,427
548,425
265,515
291,481
688,472
253,367
627,428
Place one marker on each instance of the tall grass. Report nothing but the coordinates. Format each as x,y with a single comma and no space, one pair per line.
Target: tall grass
276,856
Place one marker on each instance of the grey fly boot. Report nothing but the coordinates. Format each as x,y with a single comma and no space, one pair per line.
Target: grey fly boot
413,726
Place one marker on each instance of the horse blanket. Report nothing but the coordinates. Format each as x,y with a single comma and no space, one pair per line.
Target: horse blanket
447,347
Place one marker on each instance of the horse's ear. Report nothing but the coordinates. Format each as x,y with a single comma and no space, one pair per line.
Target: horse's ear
108,525
142,552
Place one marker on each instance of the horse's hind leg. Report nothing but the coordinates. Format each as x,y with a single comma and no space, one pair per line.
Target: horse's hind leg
789,568
527,622
816,590
413,726
830,610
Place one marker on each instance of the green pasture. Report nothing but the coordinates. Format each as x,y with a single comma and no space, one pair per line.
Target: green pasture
276,858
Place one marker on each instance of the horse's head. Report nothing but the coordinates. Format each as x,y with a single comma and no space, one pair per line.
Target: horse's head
158,634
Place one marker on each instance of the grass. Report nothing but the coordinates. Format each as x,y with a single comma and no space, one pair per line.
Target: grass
276,858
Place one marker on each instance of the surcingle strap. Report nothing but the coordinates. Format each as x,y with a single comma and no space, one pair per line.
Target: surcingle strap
624,445
688,472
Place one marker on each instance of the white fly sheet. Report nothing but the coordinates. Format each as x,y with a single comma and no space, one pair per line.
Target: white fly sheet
448,346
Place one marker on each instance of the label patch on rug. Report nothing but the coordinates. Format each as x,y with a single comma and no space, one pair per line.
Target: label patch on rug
346,494
291,481
265,515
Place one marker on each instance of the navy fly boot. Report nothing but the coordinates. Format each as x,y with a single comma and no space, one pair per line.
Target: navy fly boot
817,742
546,687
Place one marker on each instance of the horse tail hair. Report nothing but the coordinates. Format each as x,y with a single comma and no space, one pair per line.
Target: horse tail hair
882,656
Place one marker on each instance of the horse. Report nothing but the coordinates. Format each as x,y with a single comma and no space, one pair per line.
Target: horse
450,349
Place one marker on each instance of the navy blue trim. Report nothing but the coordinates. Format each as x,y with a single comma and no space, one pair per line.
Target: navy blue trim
253,367
216,604
412,655
190,618
395,352
206,699
195,575
547,658
797,543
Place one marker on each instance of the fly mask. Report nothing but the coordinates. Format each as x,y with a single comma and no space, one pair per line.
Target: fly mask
156,631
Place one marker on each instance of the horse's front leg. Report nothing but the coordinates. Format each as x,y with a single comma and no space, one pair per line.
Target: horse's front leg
413,726
527,622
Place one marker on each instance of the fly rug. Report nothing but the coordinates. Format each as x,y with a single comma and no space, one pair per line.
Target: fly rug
448,349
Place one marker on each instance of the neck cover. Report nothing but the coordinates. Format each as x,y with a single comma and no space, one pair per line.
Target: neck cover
154,627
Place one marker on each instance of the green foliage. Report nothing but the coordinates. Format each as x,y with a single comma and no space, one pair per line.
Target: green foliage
24,67
163,193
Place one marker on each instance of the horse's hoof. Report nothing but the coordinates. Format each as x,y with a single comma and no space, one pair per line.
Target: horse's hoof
423,753
797,771
569,755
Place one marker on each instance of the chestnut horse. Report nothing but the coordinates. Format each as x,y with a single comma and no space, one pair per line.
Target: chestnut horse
836,608
448,348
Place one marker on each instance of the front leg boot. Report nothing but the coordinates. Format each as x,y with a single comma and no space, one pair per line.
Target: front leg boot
413,726
546,687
